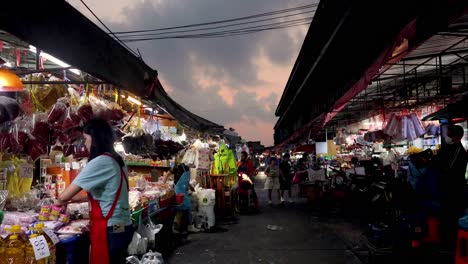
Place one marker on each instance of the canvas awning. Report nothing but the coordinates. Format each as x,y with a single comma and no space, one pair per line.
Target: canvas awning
57,28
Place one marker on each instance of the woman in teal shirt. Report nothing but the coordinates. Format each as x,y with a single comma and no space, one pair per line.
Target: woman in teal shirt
105,180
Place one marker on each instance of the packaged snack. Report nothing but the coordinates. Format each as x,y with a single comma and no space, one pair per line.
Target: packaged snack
63,218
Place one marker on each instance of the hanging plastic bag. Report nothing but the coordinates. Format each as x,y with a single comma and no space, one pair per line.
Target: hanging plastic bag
71,120
152,258
411,132
56,113
418,128
85,112
391,125
402,128
19,137
134,246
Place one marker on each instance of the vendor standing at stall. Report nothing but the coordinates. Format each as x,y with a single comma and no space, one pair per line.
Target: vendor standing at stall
105,180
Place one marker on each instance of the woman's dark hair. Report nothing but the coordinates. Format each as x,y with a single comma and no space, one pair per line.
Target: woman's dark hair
102,137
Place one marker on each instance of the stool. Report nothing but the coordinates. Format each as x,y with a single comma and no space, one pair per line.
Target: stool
461,254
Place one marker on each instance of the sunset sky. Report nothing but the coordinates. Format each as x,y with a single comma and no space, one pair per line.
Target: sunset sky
234,81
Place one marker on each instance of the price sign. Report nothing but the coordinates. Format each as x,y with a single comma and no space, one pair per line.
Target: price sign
40,247
26,171
52,236
67,166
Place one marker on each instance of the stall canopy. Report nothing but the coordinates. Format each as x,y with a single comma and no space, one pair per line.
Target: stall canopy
348,43
57,28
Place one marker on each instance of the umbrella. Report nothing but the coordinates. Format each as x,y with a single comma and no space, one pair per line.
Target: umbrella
305,148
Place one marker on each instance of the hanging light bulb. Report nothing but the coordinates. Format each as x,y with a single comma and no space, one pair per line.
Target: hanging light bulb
9,82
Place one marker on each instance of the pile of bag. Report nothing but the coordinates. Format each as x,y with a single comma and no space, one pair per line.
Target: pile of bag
404,127
148,258
144,237
203,202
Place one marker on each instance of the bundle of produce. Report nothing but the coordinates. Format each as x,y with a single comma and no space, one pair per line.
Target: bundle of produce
138,143
167,149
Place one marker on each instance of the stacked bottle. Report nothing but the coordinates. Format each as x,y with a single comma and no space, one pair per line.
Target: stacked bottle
14,247
30,257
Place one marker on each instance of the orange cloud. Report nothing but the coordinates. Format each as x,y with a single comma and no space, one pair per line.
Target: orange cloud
259,130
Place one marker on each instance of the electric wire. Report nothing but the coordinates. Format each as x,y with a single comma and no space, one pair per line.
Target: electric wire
223,21
210,28
110,31
231,32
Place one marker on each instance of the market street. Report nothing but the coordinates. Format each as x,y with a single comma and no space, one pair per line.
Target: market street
304,239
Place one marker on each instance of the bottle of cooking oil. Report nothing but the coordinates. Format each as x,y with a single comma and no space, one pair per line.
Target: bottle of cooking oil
30,257
2,250
39,230
14,252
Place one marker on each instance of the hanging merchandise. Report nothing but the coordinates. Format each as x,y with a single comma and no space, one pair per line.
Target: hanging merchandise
85,112
403,128
138,142
224,161
432,130
411,132
418,127
392,125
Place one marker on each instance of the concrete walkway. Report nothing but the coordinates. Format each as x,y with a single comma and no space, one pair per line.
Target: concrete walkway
304,239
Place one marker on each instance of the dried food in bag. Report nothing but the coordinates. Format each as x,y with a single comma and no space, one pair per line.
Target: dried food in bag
68,150
111,114
85,112
41,131
36,148
71,120
81,151
19,141
5,144
56,113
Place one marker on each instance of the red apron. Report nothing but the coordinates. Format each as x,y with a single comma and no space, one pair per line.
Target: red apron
98,234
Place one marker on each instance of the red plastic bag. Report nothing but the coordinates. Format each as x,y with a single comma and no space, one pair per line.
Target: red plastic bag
297,178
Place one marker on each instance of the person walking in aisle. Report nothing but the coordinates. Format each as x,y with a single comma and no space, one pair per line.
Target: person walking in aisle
272,180
285,177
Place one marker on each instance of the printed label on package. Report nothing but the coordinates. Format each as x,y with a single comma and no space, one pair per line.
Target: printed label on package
52,236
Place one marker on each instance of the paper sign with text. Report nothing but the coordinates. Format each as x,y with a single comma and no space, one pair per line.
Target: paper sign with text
40,247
